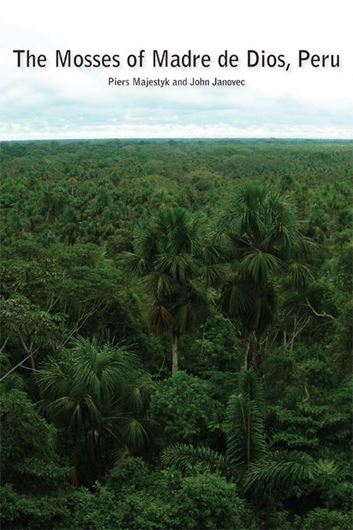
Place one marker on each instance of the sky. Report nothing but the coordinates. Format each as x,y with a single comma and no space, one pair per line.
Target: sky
78,103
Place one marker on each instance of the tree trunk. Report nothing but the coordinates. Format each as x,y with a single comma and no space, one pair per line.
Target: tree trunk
175,355
33,363
246,355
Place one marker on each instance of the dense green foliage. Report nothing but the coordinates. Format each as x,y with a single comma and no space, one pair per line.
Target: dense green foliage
176,335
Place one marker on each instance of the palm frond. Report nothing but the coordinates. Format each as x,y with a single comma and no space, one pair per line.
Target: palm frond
236,299
138,393
250,387
54,379
185,316
269,476
135,433
259,265
187,459
177,266
134,264
244,424
161,320
299,275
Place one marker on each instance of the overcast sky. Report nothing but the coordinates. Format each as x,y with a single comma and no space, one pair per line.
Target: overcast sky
57,103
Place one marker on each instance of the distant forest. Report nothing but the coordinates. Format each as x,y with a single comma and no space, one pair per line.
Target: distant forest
176,334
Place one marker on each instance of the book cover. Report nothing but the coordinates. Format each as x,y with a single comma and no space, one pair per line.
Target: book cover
176,264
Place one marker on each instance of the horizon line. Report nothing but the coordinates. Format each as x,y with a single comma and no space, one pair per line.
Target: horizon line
122,138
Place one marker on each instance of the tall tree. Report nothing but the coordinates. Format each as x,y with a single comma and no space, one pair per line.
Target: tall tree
167,255
264,240
99,397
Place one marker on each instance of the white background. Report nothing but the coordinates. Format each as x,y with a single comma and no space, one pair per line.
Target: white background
56,103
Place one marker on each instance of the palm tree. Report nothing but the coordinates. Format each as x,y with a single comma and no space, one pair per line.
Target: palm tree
244,428
263,241
97,395
247,459
168,254
245,424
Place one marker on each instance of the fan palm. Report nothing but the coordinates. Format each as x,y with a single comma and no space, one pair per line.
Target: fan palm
167,254
264,240
97,395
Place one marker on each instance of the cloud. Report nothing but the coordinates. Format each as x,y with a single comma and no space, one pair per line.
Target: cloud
56,103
